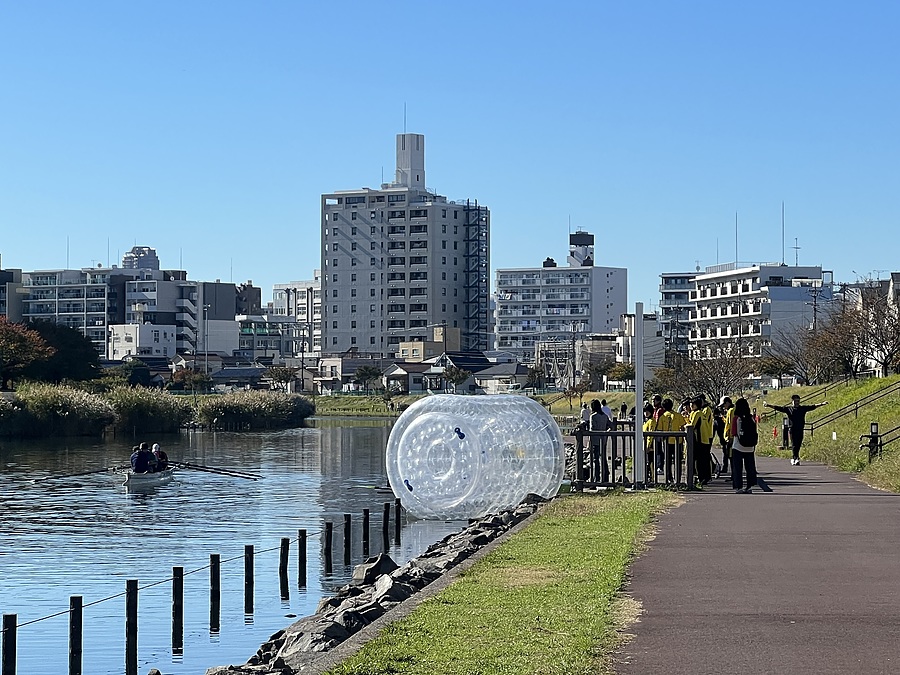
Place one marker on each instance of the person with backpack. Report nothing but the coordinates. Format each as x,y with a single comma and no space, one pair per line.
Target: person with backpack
743,456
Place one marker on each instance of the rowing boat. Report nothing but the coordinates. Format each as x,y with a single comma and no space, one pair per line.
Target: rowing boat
155,478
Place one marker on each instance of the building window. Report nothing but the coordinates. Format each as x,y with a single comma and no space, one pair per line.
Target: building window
334,216
444,243
371,292
443,213
443,260
352,292
353,309
393,199
372,324
455,215
353,216
334,262
352,262
372,340
443,276
334,309
353,337
372,215
372,262
334,340
334,293
352,324
334,278
334,247
334,325
353,246
372,229
353,277
353,229
372,246
372,276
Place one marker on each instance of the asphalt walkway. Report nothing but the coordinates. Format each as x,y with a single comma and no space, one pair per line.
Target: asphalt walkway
802,579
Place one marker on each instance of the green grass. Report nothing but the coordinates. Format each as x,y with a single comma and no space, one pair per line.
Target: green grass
837,443
546,601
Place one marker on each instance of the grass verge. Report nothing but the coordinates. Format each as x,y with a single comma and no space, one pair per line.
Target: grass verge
545,601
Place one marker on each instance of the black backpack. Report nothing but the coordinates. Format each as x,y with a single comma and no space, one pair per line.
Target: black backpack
748,435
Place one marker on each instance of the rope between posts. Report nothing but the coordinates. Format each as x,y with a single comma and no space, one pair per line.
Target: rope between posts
151,584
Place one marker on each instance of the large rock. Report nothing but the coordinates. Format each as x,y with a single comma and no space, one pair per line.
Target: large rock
373,568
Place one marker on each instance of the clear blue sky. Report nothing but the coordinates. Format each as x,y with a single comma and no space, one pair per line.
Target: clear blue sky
208,130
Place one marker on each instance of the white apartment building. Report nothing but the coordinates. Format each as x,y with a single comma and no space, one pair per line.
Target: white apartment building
302,300
554,304
401,259
746,309
141,340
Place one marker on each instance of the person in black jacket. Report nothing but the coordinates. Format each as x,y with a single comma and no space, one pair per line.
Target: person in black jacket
796,415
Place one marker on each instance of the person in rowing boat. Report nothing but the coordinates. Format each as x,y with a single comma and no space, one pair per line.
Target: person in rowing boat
142,459
162,459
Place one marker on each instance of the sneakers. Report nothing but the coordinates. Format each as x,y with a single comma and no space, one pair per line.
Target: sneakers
795,462
747,491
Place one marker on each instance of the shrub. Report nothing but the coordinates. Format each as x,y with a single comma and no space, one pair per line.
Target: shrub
140,410
253,410
49,410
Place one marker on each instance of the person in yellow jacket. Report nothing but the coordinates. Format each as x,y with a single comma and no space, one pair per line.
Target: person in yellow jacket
649,442
701,424
728,438
671,420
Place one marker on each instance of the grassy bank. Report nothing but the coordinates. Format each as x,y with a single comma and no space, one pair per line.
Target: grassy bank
546,601
837,443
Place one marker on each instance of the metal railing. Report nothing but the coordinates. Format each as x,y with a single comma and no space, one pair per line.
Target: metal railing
852,407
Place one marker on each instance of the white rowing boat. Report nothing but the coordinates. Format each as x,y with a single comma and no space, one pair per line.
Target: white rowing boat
154,478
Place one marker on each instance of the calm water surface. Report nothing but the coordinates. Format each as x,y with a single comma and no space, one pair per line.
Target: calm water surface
87,535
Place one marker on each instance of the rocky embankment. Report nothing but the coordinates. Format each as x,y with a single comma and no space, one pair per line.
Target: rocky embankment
378,586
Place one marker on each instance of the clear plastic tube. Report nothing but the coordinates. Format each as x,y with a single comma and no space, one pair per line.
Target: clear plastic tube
457,457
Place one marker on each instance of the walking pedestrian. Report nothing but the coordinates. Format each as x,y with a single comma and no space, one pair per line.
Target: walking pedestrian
745,435
796,415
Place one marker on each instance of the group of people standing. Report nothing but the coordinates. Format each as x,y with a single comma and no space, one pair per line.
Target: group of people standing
147,460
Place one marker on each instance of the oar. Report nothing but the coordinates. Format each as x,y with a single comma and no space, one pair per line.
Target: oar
224,472
83,473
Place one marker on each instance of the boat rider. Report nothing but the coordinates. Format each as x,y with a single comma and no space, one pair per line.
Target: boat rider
142,460
162,459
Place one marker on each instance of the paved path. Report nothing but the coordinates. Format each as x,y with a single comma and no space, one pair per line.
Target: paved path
803,579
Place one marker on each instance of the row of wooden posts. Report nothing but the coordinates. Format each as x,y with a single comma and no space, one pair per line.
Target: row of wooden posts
76,607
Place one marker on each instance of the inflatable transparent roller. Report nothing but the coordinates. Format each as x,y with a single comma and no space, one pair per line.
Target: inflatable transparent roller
456,457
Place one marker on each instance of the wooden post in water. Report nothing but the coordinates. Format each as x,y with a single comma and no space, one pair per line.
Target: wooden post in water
131,627
9,644
177,610
301,558
283,568
329,533
397,521
365,533
386,527
248,579
215,592
347,538
76,634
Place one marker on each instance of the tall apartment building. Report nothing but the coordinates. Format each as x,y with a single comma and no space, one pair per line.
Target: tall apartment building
745,310
302,300
10,297
675,307
550,303
401,259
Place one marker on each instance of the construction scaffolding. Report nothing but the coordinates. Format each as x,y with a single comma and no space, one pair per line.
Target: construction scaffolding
476,322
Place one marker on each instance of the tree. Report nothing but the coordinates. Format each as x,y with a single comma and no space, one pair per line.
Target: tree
19,347
621,372
882,337
596,370
842,340
74,358
582,388
456,376
281,376
366,375
720,376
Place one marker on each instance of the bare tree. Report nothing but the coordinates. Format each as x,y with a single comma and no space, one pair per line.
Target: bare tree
882,337
719,376
794,349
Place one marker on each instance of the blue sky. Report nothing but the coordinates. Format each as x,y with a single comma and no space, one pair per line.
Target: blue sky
208,130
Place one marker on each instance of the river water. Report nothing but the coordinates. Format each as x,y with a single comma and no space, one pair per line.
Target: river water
87,535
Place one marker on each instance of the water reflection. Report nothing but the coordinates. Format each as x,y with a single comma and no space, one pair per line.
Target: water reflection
86,535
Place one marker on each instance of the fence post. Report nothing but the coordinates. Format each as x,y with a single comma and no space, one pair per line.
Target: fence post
301,558
76,638
397,522
386,527
329,534
248,579
283,567
215,592
579,459
365,533
689,460
9,644
347,538
177,610
131,627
